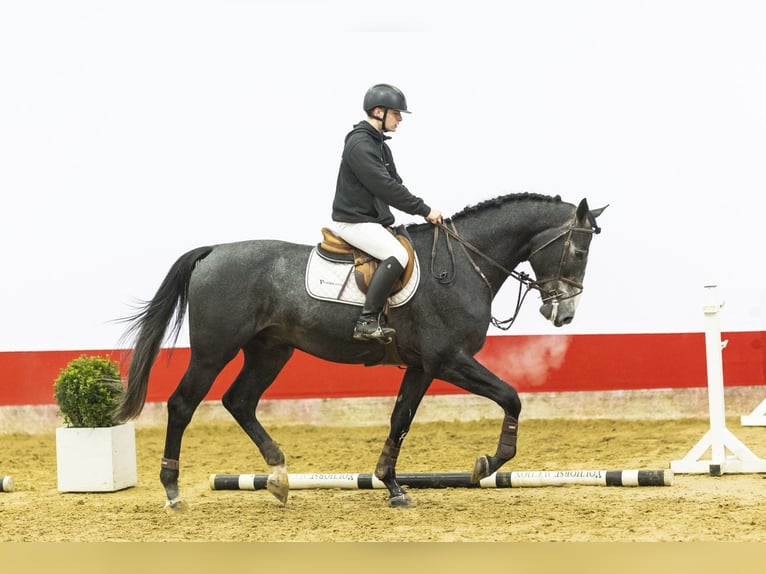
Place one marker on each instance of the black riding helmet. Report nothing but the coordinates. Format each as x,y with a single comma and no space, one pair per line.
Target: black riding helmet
387,97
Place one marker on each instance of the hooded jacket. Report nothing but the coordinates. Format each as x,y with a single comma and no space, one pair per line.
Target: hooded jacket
368,182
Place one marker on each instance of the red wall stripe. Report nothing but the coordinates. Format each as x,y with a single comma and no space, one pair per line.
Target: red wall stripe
544,363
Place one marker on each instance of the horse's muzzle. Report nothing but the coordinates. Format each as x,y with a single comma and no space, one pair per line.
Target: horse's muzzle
559,313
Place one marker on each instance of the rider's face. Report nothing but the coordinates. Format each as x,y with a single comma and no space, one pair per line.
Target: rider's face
393,117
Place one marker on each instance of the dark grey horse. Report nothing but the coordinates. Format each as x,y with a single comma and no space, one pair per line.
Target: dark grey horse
251,297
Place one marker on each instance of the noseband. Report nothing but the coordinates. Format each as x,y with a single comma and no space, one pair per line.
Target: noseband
548,296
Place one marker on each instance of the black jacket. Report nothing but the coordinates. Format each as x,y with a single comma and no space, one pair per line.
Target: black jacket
368,183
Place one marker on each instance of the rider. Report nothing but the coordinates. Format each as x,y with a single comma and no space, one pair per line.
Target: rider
368,185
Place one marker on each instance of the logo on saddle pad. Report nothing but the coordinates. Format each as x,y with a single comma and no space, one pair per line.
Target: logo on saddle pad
339,272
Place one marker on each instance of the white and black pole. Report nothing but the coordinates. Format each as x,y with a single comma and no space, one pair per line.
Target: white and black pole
361,481
6,484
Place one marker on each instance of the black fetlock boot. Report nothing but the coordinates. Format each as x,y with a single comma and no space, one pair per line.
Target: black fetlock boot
368,326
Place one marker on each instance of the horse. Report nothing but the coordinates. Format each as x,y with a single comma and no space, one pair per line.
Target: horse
250,297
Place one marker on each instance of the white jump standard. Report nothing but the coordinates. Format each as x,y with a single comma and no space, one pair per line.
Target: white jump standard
757,418
719,440
360,481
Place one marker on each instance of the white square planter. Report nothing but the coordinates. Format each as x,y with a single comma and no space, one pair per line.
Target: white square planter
96,459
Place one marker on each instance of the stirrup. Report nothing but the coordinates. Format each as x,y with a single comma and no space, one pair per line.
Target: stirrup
371,330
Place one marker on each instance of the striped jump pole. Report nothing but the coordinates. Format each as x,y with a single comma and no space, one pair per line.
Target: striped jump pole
360,481
6,484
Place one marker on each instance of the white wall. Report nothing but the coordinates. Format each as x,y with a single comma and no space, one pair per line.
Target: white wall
133,131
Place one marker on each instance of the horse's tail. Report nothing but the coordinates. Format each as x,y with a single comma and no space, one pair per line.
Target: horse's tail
151,323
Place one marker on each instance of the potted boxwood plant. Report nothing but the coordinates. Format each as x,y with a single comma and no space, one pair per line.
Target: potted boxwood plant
93,454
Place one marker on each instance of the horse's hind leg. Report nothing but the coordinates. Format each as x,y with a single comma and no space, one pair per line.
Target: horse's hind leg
263,362
414,386
181,406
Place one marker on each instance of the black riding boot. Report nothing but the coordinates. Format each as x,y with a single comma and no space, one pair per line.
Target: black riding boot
368,325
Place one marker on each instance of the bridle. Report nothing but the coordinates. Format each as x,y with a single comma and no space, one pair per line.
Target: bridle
553,296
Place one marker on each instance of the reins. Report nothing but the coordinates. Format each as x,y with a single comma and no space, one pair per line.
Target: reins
523,278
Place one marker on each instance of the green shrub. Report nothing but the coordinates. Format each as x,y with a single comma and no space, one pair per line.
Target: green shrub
87,390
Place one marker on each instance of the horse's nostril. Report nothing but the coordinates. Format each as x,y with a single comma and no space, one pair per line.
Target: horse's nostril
567,320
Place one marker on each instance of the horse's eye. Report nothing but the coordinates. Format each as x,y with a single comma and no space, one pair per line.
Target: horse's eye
580,255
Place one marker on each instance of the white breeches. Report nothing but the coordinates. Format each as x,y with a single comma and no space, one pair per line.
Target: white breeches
372,238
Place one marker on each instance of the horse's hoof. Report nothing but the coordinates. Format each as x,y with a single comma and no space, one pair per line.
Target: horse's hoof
278,484
176,506
400,501
480,469
280,491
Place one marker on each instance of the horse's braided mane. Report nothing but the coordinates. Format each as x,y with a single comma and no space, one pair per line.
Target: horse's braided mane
501,200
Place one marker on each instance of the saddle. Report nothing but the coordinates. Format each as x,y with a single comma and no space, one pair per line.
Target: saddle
334,248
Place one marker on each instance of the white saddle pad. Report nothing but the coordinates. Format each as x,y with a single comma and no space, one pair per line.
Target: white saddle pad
330,281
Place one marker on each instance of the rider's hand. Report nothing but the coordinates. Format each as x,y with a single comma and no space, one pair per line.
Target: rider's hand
435,216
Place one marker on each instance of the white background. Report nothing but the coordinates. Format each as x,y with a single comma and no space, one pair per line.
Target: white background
131,132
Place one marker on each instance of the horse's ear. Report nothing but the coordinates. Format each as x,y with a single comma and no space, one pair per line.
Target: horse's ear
584,213
582,210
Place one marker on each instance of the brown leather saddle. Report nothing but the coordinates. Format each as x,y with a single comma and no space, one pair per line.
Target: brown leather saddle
334,248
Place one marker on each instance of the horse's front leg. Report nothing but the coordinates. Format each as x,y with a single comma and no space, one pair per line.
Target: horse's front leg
467,373
506,450
414,386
